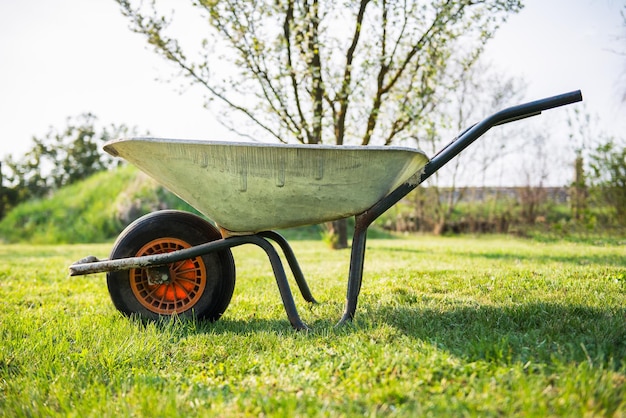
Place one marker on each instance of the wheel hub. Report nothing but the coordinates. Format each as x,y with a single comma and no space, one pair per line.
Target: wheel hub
158,275
169,289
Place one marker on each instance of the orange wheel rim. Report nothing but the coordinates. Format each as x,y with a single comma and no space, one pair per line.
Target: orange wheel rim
181,292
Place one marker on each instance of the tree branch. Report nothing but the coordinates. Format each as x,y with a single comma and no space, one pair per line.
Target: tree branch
342,97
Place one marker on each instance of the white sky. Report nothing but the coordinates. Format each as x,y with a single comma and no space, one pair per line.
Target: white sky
62,58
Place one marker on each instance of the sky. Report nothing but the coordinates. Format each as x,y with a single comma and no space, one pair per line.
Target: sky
62,58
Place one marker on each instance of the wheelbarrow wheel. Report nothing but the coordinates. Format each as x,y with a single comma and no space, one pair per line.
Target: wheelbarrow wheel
200,287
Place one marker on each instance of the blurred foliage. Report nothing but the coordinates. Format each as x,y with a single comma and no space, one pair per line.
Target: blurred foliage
608,177
504,211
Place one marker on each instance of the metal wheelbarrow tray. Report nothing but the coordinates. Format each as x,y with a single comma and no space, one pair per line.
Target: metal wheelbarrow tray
176,263
249,187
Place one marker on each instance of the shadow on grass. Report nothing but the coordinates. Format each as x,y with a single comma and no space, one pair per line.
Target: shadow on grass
181,327
578,259
537,332
608,260
530,333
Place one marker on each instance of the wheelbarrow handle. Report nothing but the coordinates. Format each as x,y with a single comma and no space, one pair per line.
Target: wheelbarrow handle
364,220
463,141
507,115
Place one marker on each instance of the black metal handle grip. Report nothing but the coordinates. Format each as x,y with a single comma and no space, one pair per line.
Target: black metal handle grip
535,108
507,115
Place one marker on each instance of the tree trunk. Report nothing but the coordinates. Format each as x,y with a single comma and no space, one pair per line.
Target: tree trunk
338,234
579,191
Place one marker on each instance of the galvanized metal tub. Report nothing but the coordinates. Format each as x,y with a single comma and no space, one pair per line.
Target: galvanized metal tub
252,187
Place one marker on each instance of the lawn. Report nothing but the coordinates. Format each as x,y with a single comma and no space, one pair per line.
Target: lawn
489,326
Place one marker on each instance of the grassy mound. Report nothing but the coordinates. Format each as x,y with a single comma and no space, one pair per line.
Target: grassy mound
93,210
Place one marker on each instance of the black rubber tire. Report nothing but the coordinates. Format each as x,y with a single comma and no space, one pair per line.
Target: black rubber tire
216,269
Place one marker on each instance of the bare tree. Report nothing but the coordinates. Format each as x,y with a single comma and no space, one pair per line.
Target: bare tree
364,72
479,90
535,171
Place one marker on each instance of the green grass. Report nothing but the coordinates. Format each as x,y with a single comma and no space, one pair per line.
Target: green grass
488,326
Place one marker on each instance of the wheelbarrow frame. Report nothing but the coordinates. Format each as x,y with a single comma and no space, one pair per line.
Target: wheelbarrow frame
363,220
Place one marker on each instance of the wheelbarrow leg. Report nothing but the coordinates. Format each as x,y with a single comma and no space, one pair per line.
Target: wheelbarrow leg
281,280
293,264
355,275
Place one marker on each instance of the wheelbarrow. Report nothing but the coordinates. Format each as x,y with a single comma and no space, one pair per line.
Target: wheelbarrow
177,263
